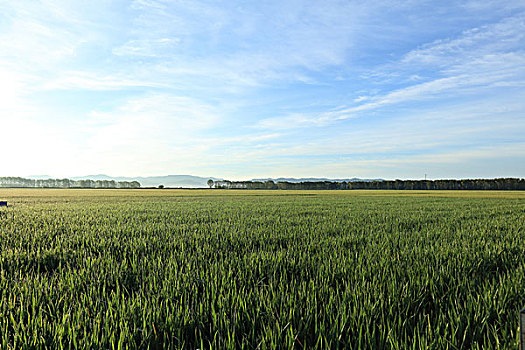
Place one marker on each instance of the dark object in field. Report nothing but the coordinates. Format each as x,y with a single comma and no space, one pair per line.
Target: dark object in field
3,203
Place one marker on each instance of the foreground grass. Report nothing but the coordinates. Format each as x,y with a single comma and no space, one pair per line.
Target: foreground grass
261,269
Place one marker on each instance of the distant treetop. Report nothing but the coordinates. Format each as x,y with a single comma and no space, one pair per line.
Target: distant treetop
19,182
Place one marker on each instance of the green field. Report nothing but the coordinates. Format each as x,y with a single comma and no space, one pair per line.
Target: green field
261,269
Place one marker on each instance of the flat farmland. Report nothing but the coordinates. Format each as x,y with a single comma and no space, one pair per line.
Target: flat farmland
261,269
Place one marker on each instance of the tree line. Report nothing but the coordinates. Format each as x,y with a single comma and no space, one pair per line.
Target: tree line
466,184
19,182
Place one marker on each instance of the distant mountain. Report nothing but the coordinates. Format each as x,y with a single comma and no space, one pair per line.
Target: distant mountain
314,179
98,177
186,181
38,177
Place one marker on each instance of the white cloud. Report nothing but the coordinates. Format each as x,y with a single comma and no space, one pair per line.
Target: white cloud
12,90
245,45
161,116
478,60
31,146
463,163
42,34
75,80
507,34
152,48
411,93
491,124
145,135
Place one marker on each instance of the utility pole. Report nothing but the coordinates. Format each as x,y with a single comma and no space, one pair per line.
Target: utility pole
425,177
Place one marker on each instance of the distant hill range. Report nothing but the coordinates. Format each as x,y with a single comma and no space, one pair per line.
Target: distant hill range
314,179
187,181
39,177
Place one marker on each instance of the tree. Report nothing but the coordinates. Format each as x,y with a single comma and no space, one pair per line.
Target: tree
210,183
270,185
135,184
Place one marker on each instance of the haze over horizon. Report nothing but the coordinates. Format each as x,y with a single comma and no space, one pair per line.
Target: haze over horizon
243,90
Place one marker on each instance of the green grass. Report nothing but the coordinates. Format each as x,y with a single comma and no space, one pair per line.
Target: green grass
261,269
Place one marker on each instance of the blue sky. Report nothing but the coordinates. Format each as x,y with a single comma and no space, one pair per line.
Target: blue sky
243,89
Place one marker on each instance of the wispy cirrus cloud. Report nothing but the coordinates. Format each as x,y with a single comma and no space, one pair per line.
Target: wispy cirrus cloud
73,80
249,47
153,48
478,60
500,37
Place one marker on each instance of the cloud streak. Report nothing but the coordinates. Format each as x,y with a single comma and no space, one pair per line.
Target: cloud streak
466,65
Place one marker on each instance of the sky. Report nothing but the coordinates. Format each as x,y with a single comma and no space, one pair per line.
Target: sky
247,89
